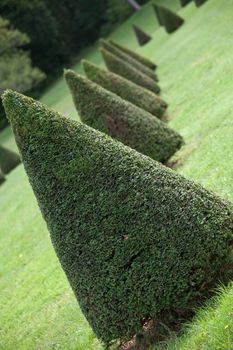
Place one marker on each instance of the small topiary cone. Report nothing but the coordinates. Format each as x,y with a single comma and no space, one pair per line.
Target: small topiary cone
135,55
199,2
126,89
135,239
122,120
2,178
170,20
156,10
142,37
118,66
184,2
126,58
8,160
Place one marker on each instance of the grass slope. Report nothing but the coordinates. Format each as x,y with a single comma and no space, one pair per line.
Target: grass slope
37,307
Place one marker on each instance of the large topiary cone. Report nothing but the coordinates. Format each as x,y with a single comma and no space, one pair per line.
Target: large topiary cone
199,2
170,20
122,68
8,160
126,58
142,37
126,89
2,178
184,2
122,120
135,239
135,55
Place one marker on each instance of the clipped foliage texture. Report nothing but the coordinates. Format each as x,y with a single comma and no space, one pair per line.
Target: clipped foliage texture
8,160
126,58
135,55
142,37
134,238
122,120
170,20
124,69
126,89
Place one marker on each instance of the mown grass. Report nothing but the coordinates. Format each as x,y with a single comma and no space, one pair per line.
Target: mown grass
37,307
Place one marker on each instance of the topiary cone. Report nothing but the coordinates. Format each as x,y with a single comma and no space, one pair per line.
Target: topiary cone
2,178
126,89
142,37
184,2
8,160
135,55
135,239
126,58
122,120
170,20
122,68
199,2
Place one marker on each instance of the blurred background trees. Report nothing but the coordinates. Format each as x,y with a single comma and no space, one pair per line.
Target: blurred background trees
53,32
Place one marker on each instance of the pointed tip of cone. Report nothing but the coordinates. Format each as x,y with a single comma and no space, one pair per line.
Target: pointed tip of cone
13,103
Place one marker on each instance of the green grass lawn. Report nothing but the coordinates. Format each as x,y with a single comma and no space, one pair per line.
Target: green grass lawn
37,307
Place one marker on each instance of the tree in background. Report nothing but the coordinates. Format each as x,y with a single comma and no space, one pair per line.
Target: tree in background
16,71
36,20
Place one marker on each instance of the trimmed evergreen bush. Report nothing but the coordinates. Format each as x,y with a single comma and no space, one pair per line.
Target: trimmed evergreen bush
126,89
2,178
199,2
135,239
124,69
135,55
128,59
184,2
8,160
107,112
142,37
170,20
156,9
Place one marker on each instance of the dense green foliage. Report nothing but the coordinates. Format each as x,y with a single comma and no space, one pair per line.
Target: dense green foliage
2,178
128,59
184,2
58,29
135,239
8,160
142,37
16,71
126,89
36,20
199,2
122,120
135,55
170,20
124,69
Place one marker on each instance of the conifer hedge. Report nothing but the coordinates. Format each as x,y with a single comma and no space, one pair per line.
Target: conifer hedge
199,2
142,37
135,239
8,160
128,59
122,68
135,55
2,178
167,18
122,120
184,2
126,89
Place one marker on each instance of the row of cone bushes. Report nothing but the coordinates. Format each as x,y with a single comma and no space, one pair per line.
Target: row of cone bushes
136,240
166,18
